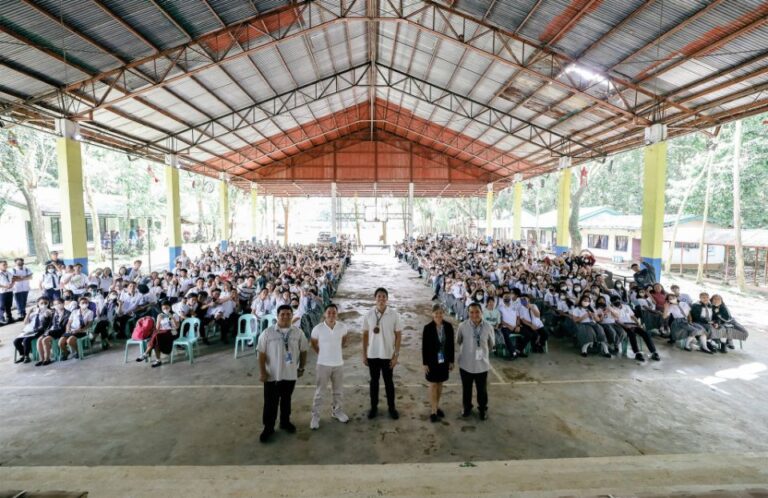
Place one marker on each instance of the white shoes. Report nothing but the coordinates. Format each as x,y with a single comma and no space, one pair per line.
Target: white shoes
314,424
340,416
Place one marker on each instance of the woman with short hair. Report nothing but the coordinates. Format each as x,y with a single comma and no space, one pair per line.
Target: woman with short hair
437,355
724,327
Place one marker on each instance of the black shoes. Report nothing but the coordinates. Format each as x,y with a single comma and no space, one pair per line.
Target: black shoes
639,357
288,427
434,418
655,357
483,415
266,435
393,413
21,360
606,355
440,413
466,413
730,345
584,354
372,413
723,348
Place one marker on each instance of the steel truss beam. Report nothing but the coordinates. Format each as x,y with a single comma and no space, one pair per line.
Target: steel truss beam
168,66
269,108
484,114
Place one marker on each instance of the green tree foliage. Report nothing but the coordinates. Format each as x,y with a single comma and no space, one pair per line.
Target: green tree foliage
27,161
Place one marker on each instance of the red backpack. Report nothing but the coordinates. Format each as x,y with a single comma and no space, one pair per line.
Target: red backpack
143,329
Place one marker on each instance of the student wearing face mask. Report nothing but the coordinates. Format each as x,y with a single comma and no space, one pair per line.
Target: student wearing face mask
607,320
57,328
679,317
77,325
645,308
531,325
105,317
166,331
35,324
588,331
625,317
49,284
510,325
620,291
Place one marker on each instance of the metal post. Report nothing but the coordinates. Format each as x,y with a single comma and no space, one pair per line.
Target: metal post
149,244
334,214
410,210
112,249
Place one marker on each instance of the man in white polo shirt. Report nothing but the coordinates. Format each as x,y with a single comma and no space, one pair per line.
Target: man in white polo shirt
382,334
282,355
328,338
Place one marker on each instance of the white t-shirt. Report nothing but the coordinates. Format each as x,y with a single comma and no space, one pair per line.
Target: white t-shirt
509,312
329,342
382,345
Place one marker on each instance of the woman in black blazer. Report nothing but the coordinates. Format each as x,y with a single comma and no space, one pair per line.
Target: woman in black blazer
437,355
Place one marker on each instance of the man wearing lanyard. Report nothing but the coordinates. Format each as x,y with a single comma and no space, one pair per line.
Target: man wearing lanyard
382,334
282,355
328,338
475,338
6,294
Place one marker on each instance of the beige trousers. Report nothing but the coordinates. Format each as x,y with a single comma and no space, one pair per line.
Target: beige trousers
324,374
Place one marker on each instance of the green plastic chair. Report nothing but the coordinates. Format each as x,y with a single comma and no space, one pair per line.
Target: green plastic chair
84,343
135,342
527,346
269,318
189,337
33,347
247,330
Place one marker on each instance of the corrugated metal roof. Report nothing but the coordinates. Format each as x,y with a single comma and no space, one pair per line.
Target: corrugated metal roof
470,48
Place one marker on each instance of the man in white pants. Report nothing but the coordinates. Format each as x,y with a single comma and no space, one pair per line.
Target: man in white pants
328,338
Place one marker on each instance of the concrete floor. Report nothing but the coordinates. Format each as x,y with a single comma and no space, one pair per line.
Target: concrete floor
100,411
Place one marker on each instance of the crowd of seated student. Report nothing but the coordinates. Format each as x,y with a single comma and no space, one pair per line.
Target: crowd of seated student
528,295
216,288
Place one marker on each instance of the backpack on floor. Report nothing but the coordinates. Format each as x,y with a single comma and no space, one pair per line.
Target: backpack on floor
143,329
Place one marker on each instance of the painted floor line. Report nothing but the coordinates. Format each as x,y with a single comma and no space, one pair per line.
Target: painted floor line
353,386
502,380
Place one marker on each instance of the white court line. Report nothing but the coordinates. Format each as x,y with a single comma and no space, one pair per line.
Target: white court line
354,386
502,380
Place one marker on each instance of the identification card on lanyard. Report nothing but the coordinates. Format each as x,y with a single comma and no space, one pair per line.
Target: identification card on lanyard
288,355
479,353
441,341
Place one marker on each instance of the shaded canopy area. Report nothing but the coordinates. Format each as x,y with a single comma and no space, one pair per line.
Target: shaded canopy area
374,94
